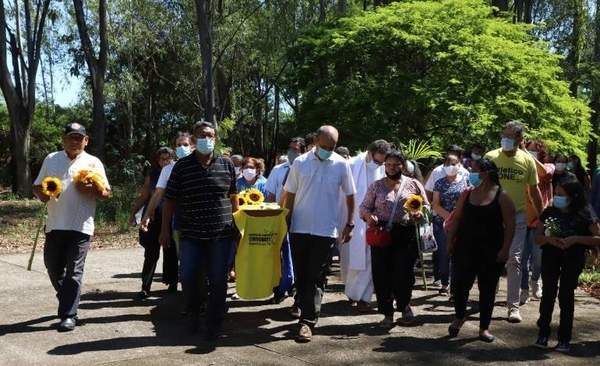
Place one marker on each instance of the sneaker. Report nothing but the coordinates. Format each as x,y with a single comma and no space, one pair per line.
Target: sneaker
542,342
305,334
514,316
524,298
363,307
563,346
437,284
143,294
235,296
407,316
536,290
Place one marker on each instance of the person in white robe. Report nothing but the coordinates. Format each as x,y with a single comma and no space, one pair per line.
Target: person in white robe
355,256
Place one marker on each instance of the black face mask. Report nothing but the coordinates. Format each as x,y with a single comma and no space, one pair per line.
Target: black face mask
394,176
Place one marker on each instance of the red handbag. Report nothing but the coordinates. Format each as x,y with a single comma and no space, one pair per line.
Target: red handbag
378,236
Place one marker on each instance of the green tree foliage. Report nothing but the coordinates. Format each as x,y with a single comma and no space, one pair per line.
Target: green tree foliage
444,71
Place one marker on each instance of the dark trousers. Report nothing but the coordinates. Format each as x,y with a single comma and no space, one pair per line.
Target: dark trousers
149,240
310,254
213,256
560,269
468,264
392,267
64,258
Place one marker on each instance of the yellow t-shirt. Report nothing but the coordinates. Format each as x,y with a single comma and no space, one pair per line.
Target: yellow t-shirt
258,259
515,174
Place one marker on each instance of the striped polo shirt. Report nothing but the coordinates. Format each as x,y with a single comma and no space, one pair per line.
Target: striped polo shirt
204,197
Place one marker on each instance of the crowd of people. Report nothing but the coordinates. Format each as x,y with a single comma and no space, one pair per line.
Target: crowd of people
517,207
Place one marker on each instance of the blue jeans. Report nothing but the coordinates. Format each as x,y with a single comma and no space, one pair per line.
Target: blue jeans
533,253
441,262
214,256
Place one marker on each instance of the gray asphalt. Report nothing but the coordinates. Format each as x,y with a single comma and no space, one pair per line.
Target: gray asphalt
119,329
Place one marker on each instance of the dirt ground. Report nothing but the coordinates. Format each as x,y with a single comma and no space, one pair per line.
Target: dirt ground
19,222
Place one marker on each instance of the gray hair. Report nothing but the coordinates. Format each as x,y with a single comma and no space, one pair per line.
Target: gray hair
379,146
516,126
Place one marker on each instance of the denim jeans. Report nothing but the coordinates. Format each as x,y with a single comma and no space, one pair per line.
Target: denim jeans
214,256
532,253
64,257
441,262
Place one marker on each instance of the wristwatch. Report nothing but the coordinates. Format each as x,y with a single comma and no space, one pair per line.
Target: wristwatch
351,226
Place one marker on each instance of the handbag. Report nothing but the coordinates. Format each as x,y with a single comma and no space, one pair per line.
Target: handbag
381,236
428,242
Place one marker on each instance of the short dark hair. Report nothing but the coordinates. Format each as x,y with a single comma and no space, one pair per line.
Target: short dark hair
486,165
379,146
396,154
202,123
165,150
299,140
180,135
310,138
454,149
342,150
478,146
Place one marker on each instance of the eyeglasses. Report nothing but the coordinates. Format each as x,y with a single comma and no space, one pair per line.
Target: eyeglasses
380,163
513,136
392,165
205,135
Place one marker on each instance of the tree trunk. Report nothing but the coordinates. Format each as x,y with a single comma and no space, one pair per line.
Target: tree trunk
97,68
343,6
19,85
322,11
502,5
574,53
205,32
592,148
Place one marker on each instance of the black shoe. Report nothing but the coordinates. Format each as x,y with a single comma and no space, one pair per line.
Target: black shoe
542,342
486,338
67,325
172,287
143,294
212,335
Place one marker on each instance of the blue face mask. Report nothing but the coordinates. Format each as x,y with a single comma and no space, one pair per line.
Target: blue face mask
292,155
507,144
570,165
205,146
183,151
324,154
372,165
474,179
560,202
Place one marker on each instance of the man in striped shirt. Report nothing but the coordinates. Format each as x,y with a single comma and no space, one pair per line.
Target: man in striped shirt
204,183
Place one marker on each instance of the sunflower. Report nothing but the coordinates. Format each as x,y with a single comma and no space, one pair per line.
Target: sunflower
414,204
242,200
88,177
51,186
254,196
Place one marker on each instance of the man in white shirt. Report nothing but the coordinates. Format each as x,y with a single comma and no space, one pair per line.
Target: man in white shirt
70,222
278,174
311,193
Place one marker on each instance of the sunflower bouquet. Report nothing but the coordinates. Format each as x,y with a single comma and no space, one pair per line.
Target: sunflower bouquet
51,187
89,177
552,226
251,197
414,205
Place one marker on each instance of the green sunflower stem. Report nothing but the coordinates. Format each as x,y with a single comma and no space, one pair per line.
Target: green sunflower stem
418,235
37,236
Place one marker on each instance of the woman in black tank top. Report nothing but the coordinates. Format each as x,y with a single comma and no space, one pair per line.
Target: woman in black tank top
478,242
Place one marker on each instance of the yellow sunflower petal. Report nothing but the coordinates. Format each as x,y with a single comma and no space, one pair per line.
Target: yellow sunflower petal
51,186
255,197
242,200
414,204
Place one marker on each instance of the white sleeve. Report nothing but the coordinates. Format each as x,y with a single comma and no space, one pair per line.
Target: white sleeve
43,172
291,185
271,185
348,186
165,173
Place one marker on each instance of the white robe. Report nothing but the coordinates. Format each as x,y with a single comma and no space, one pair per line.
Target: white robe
355,256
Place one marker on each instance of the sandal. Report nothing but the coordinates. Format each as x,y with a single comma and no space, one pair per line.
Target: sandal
386,323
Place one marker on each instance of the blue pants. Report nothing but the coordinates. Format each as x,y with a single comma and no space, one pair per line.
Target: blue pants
441,262
64,257
532,253
214,256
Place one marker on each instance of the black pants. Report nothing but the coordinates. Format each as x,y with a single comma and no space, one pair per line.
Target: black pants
309,255
64,258
149,240
392,268
468,264
560,269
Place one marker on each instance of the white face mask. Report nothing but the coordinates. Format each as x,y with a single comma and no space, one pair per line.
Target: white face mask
451,169
237,170
560,166
475,156
249,174
533,154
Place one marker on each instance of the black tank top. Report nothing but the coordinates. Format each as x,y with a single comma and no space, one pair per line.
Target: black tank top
482,228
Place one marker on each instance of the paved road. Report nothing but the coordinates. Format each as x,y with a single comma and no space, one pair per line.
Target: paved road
118,329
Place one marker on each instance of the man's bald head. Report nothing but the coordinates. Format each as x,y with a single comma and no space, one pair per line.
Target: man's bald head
328,133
